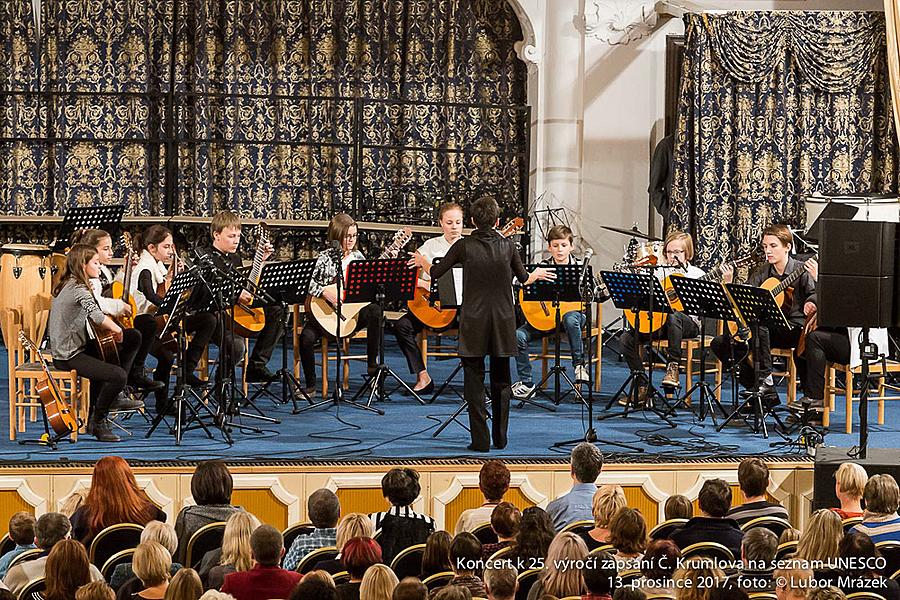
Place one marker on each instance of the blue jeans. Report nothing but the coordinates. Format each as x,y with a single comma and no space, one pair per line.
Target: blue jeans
572,322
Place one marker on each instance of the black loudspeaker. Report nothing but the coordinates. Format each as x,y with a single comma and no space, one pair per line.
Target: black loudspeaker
856,273
828,459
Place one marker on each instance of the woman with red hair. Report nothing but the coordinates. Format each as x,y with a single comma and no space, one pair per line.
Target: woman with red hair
114,498
358,555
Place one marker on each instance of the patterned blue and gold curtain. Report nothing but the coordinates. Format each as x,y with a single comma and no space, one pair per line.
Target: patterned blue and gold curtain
773,107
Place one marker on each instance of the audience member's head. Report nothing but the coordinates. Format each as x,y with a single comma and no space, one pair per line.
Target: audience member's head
157,531
758,548
311,588
679,507
825,593
67,570
95,590
753,477
715,498
410,589
693,570
436,558
378,583
587,462
793,582
660,560
628,531
850,481
115,496
51,528
599,574
505,520
217,595
607,500
558,577
185,585
501,583
401,486
493,480
535,533
267,545
352,526
629,593
236,550
212,483
789,535
882,495
453,592
21,528
465,553
359,554
324,509
820,539
321,575
856,545
151,563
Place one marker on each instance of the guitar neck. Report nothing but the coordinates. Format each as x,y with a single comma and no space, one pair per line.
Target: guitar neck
129,272
789,280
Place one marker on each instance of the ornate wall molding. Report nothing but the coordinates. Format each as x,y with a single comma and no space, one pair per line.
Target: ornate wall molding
21,487
165,503
368,481
619,21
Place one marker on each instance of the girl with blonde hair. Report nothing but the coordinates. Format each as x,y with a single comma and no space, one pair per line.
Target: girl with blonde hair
561,575
608,499
378,583
236,555
821,537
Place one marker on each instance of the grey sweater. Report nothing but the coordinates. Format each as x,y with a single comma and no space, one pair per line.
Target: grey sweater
69,314
192,518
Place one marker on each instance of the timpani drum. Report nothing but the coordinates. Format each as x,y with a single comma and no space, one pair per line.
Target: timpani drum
25,282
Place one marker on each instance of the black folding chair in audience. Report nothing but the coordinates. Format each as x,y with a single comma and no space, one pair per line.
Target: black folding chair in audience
6,544
309,561
35,586
119,558
664,530
294,531
209,537
850,522
773,524
342,577
438,580
526,579
24,557
113,539
409,562
891,553
711,549
786,550
485,534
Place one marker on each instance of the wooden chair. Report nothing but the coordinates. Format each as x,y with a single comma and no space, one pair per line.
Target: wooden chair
690,352
24,371
790,372
850,394
114,539
439,350
547,355
665,529
408,563
209,537
294,531
605,548
309,561
204,365
763,596
499,554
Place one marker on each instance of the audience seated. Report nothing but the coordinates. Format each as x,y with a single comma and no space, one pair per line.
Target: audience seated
211,487
500,584
378,583
216,595
94,590
557,578
352,526
599,574
453,592
712,525
411,588
493,481
753,478
505,521
825,593
436,558
678,507
324,509
628,535
576,505
819,542
114,498
849,485
311,588
658,567
693,570
629,593
67,570
152,564
319,574
400,526
266,579
880,521
794,582
789,535
235,555
465,557
185,585
757,561
606,502
858,557
49,530
155,531
533,540
73,502
359,554
21,532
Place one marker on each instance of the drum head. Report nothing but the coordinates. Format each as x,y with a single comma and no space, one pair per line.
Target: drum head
23,249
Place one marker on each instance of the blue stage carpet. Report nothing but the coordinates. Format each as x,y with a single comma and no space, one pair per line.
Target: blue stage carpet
405,431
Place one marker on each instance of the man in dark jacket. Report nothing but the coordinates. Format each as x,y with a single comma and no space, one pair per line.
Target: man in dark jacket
712,525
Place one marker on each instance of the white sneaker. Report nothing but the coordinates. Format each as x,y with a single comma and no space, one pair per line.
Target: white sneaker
521,390
581,374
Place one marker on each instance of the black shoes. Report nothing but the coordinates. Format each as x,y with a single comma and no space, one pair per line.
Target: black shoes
427,390
101,431
259,374
125,402
140,383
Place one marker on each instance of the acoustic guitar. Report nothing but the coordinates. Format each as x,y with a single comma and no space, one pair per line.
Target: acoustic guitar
55,408
325,313
642,321
783,292
250,321
121,290
429,310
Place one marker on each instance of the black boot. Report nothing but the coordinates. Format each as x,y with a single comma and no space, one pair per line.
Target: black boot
102,431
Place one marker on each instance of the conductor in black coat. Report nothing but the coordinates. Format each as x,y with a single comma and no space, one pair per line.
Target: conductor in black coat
487,324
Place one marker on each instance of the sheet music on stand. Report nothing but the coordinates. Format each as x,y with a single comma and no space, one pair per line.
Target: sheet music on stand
630,291
229,288
107,218
287,281
703,298
366,277
184,283
756,304
566,285
448,287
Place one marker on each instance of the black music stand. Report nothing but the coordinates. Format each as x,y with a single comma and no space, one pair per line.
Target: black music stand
107,218
286,283
639,292
378,280
175,304
443,289
757,307
705,299
565,288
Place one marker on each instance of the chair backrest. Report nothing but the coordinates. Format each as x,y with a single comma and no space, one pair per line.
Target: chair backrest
890,550
24,557
505,551
485,534
711,549
526,579
661,597
113,539
35,585
629,577
341,577
294,531
786,550
409,562
665,529
865,596
601,549
763,596
309,561
398,533
579,527
119,558
209,537
6,544
438,580
850,522
774,524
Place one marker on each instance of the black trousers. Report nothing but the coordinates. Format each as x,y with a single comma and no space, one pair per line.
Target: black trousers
824,345
473,391
677,327
267,338
406,328
369,318
726,350
106,380
165,357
